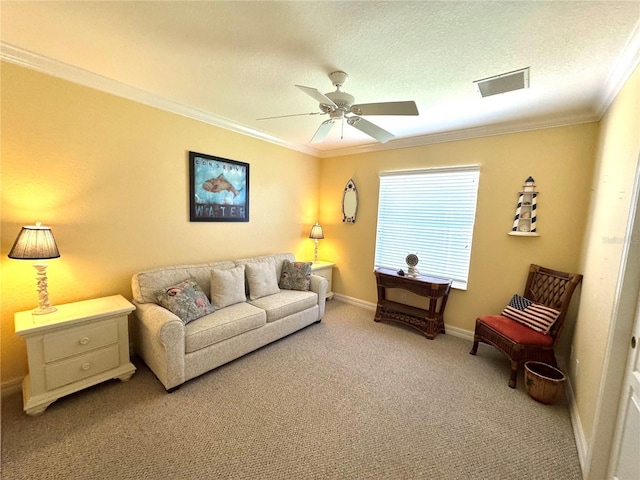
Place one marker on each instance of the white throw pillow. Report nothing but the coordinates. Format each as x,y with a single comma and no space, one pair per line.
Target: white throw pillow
227,287
262,279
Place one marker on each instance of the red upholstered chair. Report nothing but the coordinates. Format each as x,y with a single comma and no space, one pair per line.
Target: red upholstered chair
519,342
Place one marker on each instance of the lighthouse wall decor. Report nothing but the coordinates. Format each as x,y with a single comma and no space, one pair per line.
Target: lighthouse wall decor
524,221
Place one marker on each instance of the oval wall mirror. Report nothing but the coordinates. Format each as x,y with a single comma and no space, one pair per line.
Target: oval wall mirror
349,202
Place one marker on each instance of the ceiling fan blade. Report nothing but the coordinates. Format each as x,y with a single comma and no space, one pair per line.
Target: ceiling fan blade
320,97
370,129
292,115
322,131
386,108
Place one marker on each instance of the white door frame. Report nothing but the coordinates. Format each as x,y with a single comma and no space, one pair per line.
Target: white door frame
628,417
601,446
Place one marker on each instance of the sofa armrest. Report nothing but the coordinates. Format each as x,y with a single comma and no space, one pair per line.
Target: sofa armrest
159,339
319,285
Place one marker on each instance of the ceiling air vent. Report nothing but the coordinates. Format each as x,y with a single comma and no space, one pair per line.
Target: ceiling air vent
505,82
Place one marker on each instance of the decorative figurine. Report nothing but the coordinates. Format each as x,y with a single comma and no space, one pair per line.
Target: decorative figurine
524,222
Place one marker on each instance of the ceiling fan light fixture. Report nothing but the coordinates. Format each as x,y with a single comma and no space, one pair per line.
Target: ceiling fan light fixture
341,99
505,82
339,104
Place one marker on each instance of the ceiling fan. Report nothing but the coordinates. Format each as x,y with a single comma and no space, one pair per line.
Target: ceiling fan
340,106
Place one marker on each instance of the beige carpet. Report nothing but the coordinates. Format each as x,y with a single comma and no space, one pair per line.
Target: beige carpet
344,399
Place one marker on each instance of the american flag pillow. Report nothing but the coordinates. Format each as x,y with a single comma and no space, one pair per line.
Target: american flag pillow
534,315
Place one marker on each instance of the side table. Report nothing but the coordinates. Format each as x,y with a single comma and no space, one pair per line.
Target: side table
324,269
79,345
430,322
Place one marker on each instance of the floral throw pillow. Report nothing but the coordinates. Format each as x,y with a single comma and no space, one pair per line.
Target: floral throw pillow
295,276
186,300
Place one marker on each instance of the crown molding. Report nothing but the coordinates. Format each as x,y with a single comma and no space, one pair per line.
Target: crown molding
64,71
465,134
626,64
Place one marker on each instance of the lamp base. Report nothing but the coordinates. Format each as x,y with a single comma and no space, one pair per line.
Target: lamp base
43,311
44,306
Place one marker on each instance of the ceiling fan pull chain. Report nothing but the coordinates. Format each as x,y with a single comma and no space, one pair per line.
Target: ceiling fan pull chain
342,132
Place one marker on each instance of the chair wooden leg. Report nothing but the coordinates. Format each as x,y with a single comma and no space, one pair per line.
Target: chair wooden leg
474,349
514,374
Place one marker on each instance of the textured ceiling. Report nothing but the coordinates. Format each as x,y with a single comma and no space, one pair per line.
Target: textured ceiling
230,63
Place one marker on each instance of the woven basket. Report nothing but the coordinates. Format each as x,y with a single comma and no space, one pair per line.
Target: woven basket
543,382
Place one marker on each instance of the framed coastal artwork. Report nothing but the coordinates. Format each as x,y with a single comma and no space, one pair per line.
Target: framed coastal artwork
218,189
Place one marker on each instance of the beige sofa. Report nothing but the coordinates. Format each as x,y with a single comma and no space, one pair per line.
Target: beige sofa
177,351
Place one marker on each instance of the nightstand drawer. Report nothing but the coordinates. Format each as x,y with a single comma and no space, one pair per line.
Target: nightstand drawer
325,274
325,270
78,345
79,340
68,371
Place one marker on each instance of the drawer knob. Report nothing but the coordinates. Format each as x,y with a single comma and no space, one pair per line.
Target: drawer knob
84,340
86,366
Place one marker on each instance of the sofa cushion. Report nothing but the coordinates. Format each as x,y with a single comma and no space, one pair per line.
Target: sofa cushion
145,284
295,275
186,300
285,303
222,325
261,279
516,331
227,287
277,258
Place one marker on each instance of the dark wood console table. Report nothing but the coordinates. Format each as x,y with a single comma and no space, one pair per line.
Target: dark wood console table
430,322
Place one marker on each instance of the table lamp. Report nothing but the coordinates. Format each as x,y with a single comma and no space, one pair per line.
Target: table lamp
316,234
36,242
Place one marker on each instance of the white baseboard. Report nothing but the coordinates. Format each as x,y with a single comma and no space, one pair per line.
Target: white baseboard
355,301
10,387
458,332
576,424
451,330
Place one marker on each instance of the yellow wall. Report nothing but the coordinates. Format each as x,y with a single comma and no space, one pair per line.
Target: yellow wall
559,159
110,177
616,164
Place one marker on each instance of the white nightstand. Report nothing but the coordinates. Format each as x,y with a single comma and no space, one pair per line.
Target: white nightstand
79,345
324,269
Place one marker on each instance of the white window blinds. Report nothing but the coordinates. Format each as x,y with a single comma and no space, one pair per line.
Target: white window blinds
430,213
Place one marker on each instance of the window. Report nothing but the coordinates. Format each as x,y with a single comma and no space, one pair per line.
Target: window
430,213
